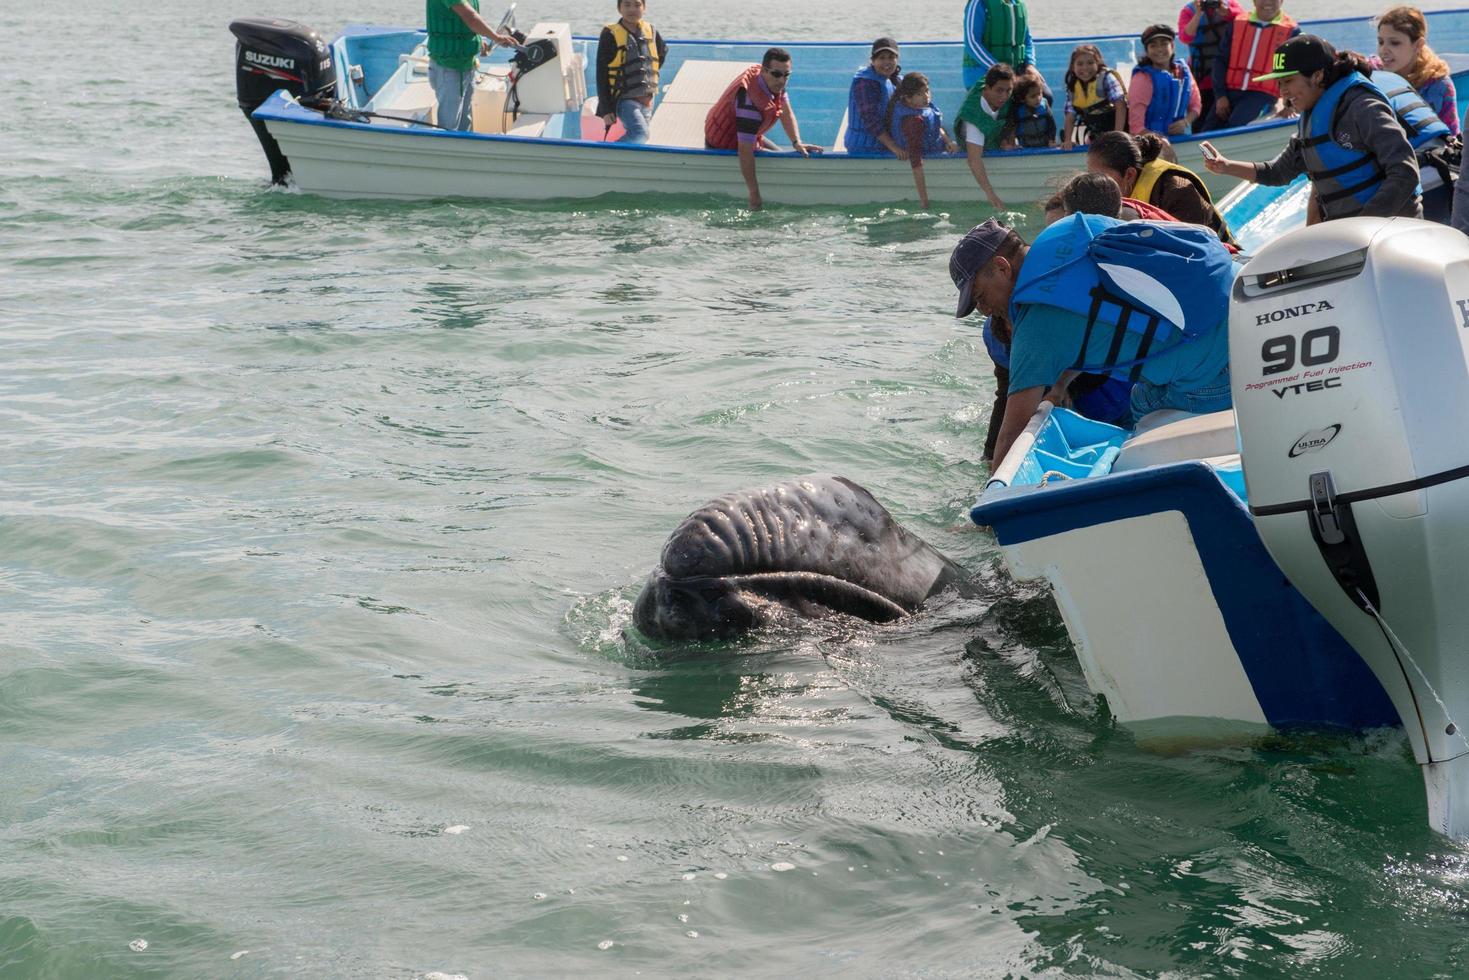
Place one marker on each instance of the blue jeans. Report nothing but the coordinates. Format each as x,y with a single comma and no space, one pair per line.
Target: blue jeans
1211,397
1244,108
635,118
454,91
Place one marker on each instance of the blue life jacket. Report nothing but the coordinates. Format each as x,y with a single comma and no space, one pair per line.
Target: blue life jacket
933,122
1162,280
1338,173
1419,121
858,139
1034,127
1170,96
999,353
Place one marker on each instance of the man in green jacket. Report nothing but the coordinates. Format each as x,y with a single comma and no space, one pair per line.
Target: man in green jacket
454,30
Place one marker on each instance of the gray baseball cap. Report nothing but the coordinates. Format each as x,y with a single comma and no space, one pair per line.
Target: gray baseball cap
972,254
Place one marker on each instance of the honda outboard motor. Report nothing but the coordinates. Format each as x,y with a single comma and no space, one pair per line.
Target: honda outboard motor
1349,353
279,54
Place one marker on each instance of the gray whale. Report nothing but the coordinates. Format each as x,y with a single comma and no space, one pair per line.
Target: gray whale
813,545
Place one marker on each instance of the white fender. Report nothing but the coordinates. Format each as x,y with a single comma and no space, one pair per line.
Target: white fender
1349,358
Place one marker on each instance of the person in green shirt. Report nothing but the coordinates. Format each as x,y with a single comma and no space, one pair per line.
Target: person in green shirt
454,30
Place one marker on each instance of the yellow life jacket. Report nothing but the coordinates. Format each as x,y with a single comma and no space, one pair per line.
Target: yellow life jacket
1154,170
1084,95
614,67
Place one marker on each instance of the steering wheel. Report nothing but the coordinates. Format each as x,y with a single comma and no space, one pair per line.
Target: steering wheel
507,22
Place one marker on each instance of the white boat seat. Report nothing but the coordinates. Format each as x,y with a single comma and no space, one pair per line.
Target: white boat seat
839,145
678,120
1170,436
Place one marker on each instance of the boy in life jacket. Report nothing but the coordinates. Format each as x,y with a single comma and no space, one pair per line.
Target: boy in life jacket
1161,96
980,123
1031,124
1096,99
1349,140
1068,314
995,32
1201,26
629,54
917,128
1249,43
751,104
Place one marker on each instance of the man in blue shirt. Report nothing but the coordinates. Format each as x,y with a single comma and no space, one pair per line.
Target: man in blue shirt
1056,339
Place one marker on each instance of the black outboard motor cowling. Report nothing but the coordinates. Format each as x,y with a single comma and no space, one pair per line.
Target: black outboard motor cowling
279,54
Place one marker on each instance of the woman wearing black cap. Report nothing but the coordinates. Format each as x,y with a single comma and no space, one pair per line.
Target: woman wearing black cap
1349,141
1162,97
872,91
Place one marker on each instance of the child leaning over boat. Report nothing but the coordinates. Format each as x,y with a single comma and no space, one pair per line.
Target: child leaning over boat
916,127
1096,99
1030,124
980,122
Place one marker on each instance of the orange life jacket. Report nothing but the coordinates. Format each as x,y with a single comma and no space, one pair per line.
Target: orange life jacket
1251,50
719,124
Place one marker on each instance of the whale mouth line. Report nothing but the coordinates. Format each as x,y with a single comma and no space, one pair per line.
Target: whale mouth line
808,585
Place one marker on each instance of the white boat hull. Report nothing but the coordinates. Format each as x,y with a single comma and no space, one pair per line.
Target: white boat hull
360,160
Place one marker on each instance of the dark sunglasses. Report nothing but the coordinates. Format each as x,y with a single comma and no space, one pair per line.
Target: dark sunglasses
778,74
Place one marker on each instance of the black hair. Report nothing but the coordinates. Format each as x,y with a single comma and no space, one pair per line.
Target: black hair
775,54
1117,150
1024,85
1151,146
909,84
1346,62
1092,193
998,72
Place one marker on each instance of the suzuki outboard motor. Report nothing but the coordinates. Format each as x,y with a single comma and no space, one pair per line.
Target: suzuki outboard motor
1349,353
279,54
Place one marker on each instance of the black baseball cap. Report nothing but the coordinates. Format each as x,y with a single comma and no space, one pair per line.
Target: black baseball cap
972,254
883,44
1153,30
1301,55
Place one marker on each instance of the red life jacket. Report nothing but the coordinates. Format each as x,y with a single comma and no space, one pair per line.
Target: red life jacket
719,124
1151,212
1251,51
1146,211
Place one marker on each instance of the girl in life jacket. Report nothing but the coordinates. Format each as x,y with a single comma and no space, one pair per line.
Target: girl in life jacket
1031,124
916,127
1349,140
1162,96
1402,48
1096,99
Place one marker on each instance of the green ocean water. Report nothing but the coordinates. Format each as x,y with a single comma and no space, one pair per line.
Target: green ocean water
320,524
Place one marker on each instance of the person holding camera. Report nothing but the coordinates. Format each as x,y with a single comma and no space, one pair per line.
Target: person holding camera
1201,25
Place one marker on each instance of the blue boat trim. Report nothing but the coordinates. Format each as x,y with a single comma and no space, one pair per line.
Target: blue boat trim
1302,671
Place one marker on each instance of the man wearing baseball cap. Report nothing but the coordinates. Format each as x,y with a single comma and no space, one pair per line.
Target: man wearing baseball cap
1058,331
1348,141
872,88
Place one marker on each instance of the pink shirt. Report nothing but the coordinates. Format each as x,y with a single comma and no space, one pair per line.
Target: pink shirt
1140,93
1187,14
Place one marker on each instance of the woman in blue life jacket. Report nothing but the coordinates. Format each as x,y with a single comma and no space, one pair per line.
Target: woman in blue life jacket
912,122
1349,141
1163,324
872,89
1162,96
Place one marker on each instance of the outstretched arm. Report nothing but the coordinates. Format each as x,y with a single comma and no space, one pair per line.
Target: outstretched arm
480,26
